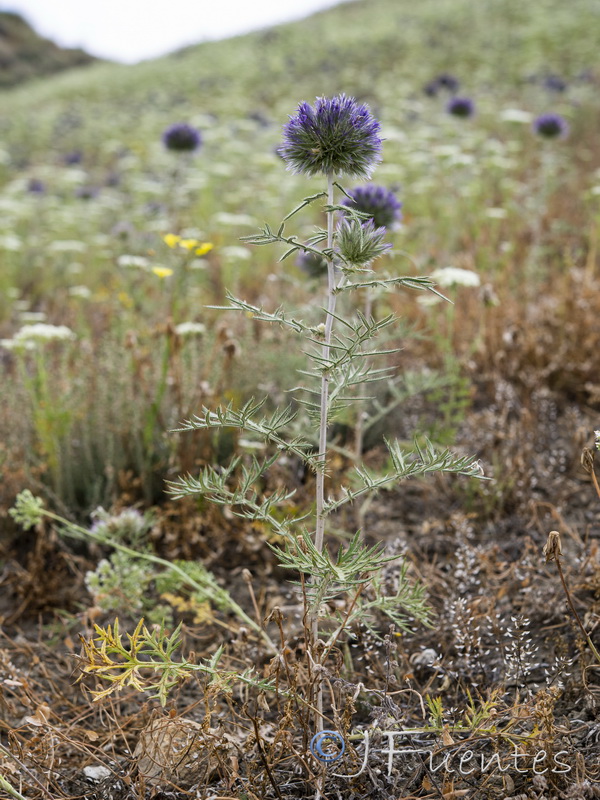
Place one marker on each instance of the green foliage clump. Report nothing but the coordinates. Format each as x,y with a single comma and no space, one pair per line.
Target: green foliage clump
122,584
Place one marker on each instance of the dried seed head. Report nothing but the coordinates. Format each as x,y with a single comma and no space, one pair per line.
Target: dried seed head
552,549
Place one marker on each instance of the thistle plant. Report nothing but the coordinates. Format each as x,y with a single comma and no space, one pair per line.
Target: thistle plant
337,137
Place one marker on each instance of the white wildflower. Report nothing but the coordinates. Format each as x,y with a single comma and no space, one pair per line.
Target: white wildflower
455,276
32,316
13,344
248,444
446,151
190,329
495,213
428,300
80,291
43,332
236,253
140,262
225,218
10,242
516,115
67,246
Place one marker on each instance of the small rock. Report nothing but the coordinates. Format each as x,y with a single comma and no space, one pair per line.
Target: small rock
425,658
97,774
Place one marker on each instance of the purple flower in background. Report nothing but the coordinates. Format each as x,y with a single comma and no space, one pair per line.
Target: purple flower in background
87,192
380,203
442,81
123,230
461,107
74,157
338,136
312,264
554,83
182,138
36,186
550,126
447,81
259,118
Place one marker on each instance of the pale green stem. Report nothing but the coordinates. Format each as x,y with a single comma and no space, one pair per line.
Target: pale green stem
331,298
360,418
320,480
4,784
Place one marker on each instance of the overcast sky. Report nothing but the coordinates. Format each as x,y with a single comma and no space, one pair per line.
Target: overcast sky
132,30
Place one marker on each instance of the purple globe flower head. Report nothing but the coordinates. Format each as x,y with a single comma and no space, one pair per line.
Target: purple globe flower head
74,157
554,83
550,126
36,186
337,137
112,179
313,265
442,81
447,81
461,107
380,203
182,138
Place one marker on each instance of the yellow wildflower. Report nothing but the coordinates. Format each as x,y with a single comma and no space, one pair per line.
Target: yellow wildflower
199,248
188,244
171,239
162,272
125,300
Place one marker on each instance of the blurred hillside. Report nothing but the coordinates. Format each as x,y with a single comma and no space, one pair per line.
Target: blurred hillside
25,55
88,190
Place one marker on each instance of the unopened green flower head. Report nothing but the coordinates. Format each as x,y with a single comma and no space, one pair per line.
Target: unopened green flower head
337,137
359,243
28,510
